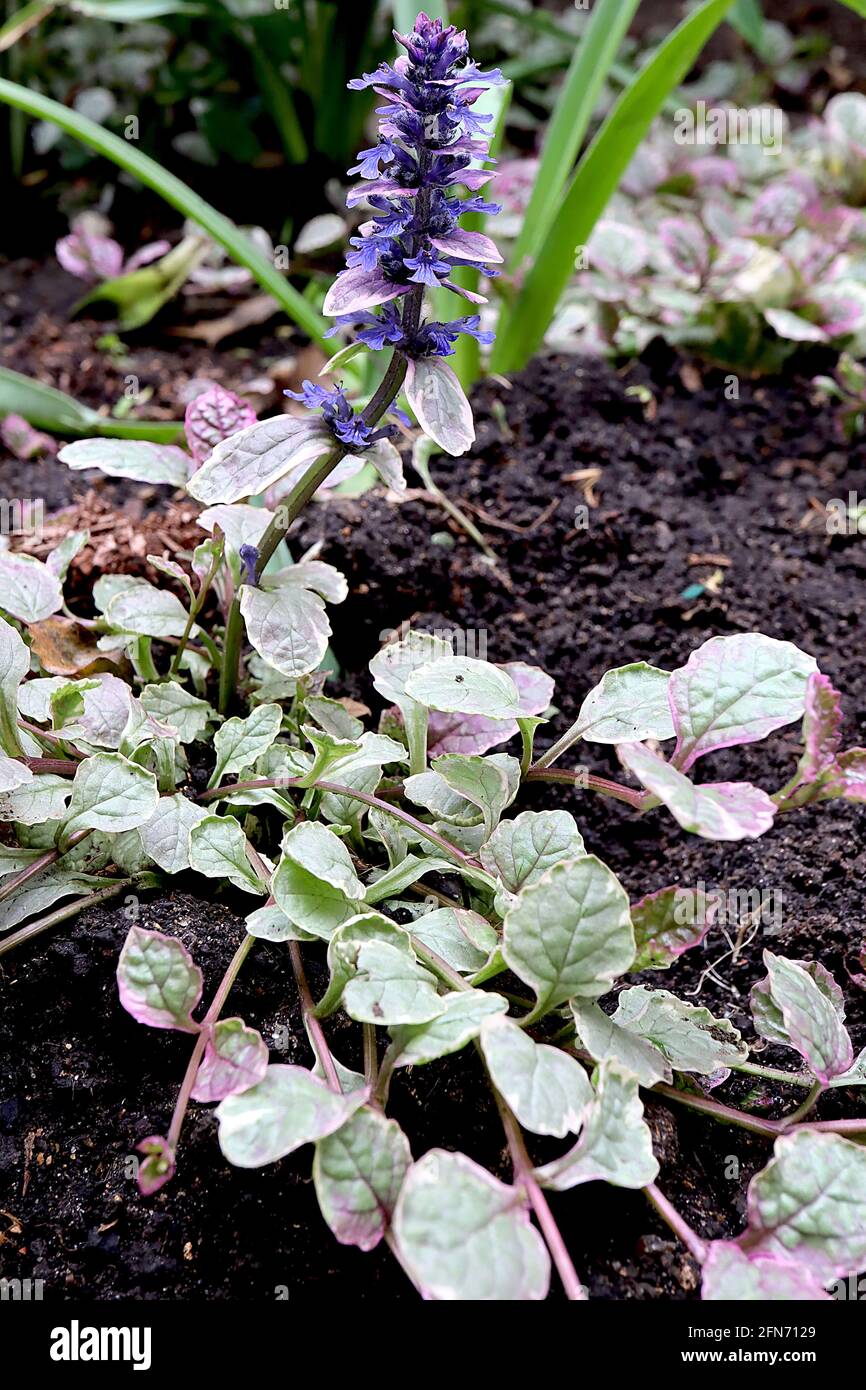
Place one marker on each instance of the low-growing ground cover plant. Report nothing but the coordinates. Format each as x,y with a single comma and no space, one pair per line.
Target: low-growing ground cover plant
734,251
343,838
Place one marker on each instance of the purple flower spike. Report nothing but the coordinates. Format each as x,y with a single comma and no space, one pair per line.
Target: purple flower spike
431,148
430,141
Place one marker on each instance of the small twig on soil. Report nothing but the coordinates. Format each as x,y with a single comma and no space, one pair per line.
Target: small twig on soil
501,525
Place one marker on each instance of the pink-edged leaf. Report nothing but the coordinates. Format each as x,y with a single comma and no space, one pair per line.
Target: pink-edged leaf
778,208
713,810
440,405
213,416
235,1058
22,440
250,461
158,981
732,1274
859,977
158,1165
471,295
358,1172
467,246
154,251
809,1204
357,289
850,779
736,690
794,327
668,922
714,171
685,241
462,733
840,313
90,257
821,724
800,1005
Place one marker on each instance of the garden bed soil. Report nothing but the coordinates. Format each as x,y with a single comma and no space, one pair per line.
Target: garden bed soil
703,517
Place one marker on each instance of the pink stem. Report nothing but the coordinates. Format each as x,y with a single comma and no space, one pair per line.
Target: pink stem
678,1224
317,1033
525,1174
420,828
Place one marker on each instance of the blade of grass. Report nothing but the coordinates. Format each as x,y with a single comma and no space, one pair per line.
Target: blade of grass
858,6
50,409
571,116
407,11
746,17
278,99
467,352
22,21
175,192
598,173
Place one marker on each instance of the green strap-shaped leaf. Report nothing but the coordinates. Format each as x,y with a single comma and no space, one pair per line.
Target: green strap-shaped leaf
597,176
174,191
575,104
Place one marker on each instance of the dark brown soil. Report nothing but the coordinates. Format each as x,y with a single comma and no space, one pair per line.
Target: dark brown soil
705,476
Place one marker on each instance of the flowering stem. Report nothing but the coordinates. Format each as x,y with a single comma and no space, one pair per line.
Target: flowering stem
291,508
